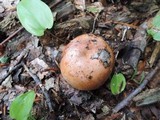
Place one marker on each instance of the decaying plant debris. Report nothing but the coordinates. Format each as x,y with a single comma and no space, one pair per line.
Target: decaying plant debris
33,62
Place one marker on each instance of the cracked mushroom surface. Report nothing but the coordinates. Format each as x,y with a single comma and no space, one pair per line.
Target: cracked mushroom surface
87,62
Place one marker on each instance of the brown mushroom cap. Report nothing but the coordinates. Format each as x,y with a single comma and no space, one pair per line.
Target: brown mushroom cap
87,62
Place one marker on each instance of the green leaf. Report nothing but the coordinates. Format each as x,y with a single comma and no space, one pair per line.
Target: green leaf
22,105
154,30
94,9
4,59
35,16
118,83
142,78
154,33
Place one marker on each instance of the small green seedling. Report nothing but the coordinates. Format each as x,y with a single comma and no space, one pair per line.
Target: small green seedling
35,16
141,79
154,29
4,59
134,73
21,107
31,117
118,83
94,9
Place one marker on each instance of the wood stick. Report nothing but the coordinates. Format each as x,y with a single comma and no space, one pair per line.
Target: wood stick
126,101
38,82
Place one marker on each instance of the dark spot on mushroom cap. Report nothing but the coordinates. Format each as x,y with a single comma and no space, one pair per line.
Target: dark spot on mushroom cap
90,77
94,41
104,57
87,47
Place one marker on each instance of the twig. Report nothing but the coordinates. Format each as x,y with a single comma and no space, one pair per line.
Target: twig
94,22
10,72
124,32
22,55
8,38
38,82
125,102
15,64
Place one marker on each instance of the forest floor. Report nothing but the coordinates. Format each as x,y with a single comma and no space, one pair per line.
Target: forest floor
122,24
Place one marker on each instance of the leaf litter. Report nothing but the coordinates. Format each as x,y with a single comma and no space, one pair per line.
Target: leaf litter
42,61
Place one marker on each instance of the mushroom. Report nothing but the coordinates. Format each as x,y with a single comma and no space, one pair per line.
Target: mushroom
87,62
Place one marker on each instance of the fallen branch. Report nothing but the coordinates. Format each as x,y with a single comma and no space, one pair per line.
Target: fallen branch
136,47
38,83
125,102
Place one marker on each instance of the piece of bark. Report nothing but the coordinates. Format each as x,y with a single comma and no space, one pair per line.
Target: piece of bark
54,3
136,47
148,97
64,10
69,29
